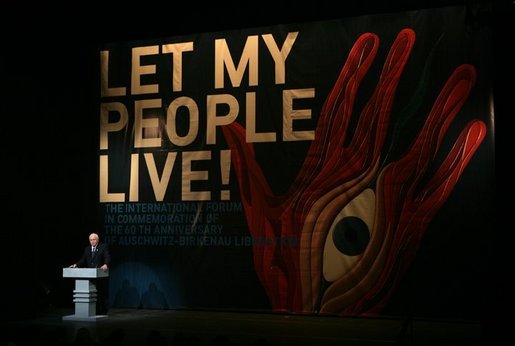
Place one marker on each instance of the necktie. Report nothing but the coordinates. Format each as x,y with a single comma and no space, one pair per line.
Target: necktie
93,251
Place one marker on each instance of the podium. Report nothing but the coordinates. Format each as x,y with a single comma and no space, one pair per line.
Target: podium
85,293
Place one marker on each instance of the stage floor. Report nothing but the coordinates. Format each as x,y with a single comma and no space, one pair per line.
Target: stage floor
192,327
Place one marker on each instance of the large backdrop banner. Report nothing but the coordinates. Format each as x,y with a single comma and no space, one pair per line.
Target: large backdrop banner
341,167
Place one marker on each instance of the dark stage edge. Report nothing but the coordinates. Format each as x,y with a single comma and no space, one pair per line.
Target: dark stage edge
193,327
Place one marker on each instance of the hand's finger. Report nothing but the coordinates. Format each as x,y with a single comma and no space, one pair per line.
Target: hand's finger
337,110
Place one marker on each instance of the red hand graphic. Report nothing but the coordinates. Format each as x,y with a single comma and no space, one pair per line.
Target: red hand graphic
318,272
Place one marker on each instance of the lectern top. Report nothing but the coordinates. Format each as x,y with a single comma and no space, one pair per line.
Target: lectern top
85,273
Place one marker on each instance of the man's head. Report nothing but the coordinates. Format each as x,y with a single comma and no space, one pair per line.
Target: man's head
93,239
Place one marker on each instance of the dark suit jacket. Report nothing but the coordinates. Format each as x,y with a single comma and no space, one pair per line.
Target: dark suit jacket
96,260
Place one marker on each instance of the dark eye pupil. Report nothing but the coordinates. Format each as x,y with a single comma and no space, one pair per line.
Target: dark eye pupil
351,236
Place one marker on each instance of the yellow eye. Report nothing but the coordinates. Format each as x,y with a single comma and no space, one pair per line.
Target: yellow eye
348,236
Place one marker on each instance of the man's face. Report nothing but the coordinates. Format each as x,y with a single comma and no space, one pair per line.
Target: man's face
93,240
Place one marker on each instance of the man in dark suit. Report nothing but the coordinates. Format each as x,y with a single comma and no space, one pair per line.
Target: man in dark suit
97,255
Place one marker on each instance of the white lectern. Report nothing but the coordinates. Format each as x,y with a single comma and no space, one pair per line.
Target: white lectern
85,293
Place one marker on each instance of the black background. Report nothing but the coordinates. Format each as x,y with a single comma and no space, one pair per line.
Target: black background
49,136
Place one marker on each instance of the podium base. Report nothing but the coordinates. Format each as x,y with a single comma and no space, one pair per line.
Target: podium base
83,318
